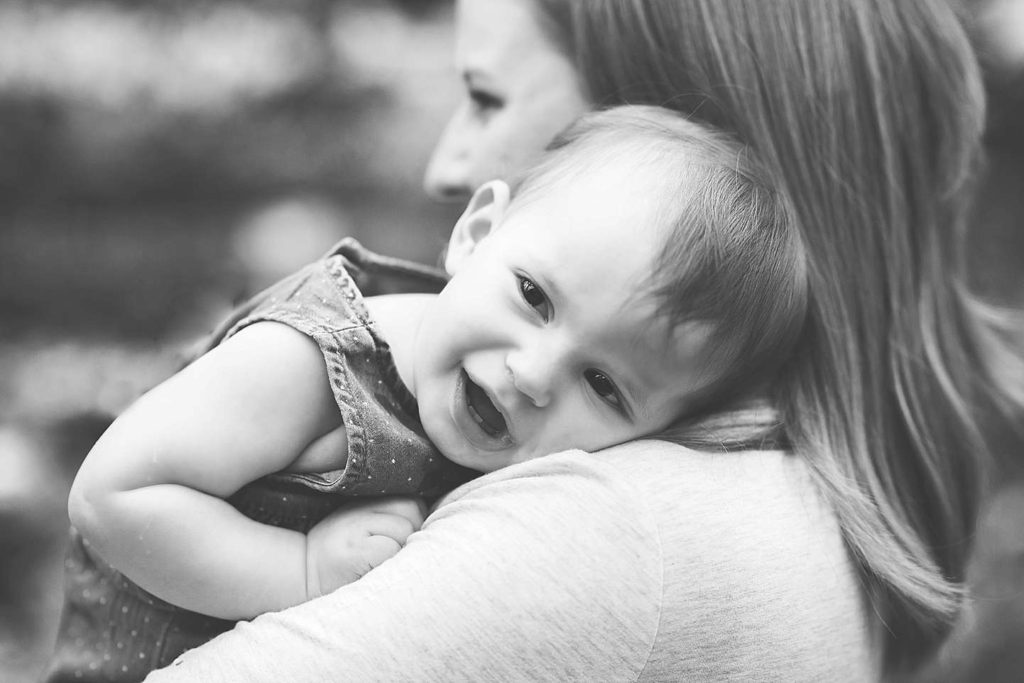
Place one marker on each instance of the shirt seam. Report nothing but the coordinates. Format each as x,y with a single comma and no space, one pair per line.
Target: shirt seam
661,586
653,521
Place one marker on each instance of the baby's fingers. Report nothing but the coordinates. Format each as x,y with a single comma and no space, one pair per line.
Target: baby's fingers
380,548
412,509
395,527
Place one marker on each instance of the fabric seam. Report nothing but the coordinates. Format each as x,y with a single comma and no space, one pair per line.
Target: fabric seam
652,521
661,584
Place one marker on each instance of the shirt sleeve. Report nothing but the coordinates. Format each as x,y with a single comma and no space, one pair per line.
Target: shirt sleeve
503,582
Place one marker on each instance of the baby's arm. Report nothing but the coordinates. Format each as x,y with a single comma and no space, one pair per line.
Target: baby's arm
149,496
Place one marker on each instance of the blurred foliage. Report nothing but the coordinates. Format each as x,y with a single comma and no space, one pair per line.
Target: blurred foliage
136,138
189,99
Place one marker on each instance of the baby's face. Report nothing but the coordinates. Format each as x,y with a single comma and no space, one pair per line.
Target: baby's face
544,339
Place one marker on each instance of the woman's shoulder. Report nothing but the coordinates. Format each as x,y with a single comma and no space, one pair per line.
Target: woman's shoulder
729,496
747,563
646,562
673,488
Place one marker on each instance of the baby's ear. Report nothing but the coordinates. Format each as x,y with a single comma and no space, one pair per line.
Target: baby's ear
481,217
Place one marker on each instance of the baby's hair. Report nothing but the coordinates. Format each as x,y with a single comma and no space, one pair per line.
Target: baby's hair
731,258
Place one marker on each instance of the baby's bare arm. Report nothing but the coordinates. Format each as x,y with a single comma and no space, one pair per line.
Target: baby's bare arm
149,497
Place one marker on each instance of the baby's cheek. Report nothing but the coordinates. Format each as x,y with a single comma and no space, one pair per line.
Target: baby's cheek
587,432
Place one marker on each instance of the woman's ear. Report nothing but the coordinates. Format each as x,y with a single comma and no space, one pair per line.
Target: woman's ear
482,216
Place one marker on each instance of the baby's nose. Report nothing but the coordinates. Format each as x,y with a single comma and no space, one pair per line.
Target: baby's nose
532,375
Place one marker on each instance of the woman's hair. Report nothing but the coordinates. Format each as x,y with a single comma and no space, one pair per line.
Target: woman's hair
870,113
730,259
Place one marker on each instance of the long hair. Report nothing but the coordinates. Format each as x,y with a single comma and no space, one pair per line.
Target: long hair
871,113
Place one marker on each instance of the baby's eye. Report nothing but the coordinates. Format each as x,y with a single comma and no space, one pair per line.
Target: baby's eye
604,388
534,296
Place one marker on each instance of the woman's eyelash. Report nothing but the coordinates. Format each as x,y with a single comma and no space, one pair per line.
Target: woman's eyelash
485,101
534,296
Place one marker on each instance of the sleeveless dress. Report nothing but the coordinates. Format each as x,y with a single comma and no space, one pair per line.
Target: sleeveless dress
111,629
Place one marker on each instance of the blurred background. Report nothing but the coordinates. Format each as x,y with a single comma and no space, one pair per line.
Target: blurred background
159,161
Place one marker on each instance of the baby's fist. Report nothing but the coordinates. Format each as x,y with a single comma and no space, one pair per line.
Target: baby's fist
357,537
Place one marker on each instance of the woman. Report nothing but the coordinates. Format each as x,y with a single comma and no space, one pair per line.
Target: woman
841,558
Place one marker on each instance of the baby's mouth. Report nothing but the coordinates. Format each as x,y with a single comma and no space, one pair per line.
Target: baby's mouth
483,411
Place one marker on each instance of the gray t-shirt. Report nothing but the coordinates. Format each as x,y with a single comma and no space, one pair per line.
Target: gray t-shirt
644,562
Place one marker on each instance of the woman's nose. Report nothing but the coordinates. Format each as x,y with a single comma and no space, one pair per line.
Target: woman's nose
448,175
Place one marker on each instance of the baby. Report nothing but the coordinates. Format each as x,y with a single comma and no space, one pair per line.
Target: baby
642,271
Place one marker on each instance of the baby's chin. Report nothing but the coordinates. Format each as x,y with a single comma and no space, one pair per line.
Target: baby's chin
481,462
484,461
456,450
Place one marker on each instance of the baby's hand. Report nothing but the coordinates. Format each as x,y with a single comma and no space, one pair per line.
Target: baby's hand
357,537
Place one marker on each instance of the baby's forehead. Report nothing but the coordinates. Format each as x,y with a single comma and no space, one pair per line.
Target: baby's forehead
658,334
664,163
605,215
